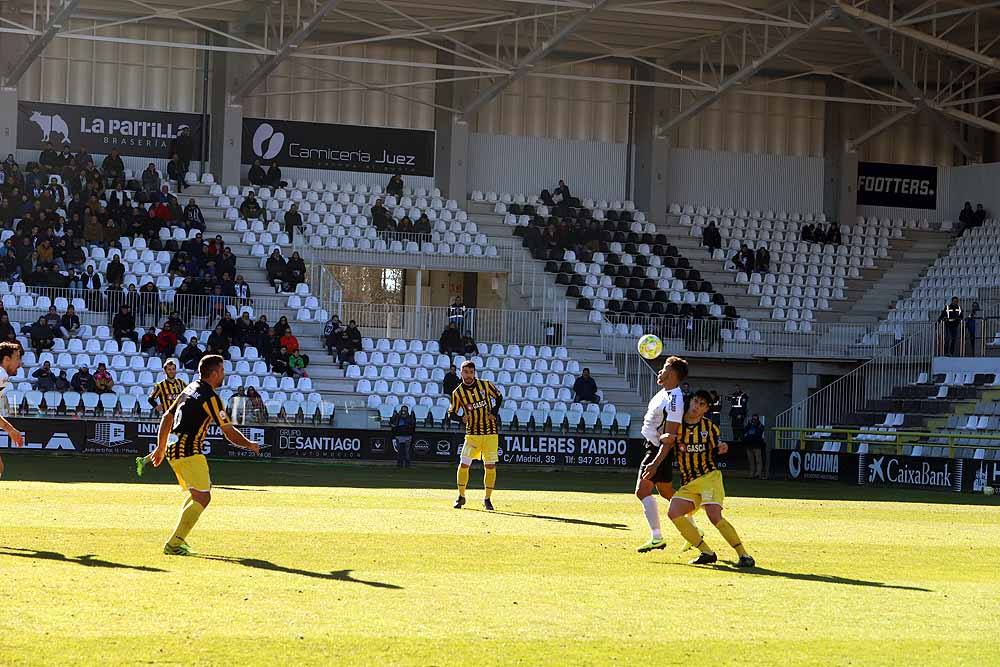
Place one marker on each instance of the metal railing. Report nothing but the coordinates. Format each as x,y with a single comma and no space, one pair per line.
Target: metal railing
506,251
850,439
899,365
485,325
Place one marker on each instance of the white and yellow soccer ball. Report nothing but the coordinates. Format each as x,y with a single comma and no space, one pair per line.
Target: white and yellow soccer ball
650,346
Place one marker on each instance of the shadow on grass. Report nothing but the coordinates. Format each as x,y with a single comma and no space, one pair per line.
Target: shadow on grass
801,576
560,519
259,564
87,560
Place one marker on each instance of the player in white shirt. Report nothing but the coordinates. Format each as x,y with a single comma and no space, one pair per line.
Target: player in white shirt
10,361
660,427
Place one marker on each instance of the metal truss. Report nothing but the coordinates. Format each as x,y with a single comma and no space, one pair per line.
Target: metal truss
940,57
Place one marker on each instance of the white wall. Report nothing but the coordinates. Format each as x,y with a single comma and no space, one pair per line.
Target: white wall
347,102
745,180
977,184
78,71
561,109
502,163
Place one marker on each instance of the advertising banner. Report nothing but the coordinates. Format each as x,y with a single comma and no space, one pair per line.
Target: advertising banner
801,466
383,150
910,472
897,185
980,474
102,129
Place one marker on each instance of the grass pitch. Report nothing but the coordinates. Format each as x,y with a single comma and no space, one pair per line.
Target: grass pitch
367,565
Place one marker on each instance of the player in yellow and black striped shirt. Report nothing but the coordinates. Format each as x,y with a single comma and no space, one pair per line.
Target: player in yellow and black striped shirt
164,393
180,440
479,402
697,443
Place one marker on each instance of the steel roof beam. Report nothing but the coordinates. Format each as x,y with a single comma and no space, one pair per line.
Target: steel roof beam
38,44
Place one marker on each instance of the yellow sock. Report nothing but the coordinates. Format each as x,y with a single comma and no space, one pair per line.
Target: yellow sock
463,479
689,532
690,519
489,480
189,516
729,533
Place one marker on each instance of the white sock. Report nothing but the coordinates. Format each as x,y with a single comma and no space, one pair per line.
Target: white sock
652,516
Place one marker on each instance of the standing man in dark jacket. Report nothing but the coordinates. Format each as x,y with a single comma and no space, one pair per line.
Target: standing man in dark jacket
753,440
293,219
952,317
183,147
404,425
738,405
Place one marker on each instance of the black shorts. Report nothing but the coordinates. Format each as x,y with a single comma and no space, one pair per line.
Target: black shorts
665,473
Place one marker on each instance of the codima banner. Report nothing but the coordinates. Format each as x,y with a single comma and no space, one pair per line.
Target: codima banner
897,185
103,129
381,150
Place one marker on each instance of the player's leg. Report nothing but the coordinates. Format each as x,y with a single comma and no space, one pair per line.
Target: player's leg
491,456
644,492
758,462
683,503
666,490
192,474
714,496
469,453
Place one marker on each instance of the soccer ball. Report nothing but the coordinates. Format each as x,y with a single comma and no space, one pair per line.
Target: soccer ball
987,490
650,346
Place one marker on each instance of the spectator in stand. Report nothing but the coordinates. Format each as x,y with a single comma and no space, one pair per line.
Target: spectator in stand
738,407
585,388
332,331
104,382
123,325
979,217
151,180
48,158
166,343
753,441
422,225
52,319
113,168
293,219
349,344
183,148
279,361
686,392
404,426
295,272
273,177
191,355
176,172
6,328
147,344
297,364
175,324
711,238
451,380
250,209
806,234
744,259
469,347
44,379
450,342
289,342
405,225
762,259
256,410
563,191
380,215
218,343
243,332
833,234
256,175
83,381
971,329
456,313
282,327
715,408
395,186
62,382
952,317
547,199
41,336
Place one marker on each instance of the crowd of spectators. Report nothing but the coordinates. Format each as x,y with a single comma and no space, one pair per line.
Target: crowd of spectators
969,218
284,275
342,342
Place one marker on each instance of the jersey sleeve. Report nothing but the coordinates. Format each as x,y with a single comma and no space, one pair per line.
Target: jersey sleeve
653,420
215,410
455,404
673,408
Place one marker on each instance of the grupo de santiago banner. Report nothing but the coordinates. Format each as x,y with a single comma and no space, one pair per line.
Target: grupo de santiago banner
382,150
103,129
897,185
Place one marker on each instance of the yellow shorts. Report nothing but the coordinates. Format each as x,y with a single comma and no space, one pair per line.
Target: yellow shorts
192,472
485,447
705,490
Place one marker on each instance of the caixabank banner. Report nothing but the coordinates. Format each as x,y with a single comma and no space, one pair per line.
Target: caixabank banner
897,185
383,150
910,472
103,129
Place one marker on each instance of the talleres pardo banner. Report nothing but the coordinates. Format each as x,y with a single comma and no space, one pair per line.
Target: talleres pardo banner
897,185
103,129
382,150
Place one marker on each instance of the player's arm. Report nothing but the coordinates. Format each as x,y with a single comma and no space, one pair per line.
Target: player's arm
16,438
497,399
154,398
232,434
166,424
454,408
720,446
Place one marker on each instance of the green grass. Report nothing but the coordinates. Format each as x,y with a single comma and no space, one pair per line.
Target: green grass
367,565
